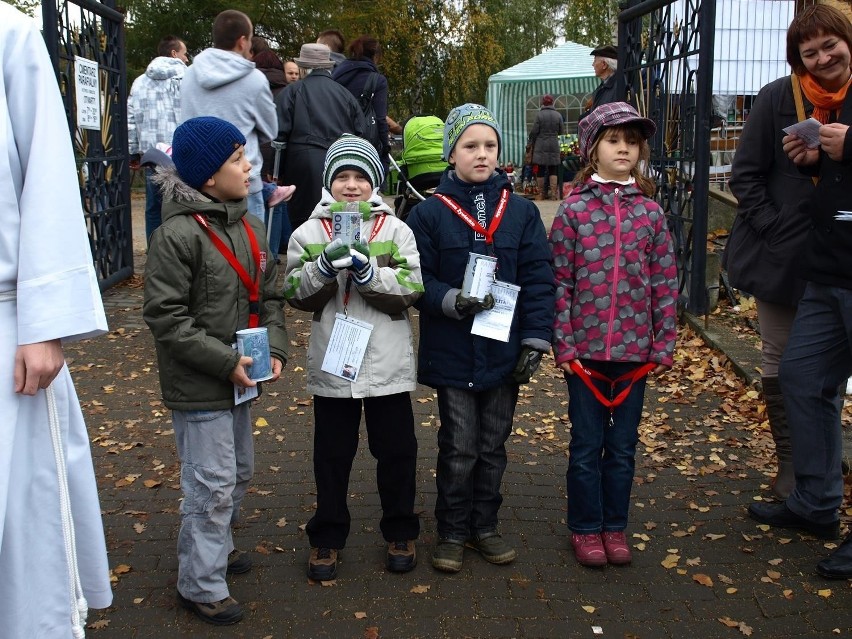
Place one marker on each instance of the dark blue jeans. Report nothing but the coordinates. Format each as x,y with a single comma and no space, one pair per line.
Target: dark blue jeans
602,450
472,458
153,205
392,442
813,372
281,230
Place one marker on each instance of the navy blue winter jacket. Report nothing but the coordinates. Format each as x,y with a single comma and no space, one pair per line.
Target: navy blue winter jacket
353,74
449,355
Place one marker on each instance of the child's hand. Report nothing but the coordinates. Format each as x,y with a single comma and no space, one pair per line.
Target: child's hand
660,369
362,270
238,375
566,367
334,256
277,367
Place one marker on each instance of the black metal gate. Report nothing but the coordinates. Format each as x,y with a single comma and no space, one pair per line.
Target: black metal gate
666,69
94,31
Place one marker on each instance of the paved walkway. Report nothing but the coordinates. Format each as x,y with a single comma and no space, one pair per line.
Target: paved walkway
701,568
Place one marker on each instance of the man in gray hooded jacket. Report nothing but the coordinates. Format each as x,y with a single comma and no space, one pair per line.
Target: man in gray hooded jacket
223,82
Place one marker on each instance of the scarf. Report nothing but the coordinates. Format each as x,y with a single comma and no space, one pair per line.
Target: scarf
824,101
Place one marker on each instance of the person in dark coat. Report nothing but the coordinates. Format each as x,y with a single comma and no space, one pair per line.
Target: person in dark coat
312,113
605,65
544,140
817,360
769,230
364,53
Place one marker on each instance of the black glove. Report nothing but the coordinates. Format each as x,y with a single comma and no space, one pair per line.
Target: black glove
527,365
469,306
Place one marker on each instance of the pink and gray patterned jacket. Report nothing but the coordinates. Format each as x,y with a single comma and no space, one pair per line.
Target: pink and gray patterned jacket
616,278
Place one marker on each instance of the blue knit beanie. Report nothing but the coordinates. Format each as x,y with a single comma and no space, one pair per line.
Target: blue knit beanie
352,152
200,147
462,117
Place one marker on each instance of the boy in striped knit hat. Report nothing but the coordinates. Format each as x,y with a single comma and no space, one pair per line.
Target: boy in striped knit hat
360,288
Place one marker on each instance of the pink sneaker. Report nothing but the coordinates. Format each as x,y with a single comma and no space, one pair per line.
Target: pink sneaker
280,194
589,549
617,550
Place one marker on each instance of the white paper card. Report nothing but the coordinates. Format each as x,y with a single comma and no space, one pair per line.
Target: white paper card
346,347
807,130
497,322
243,394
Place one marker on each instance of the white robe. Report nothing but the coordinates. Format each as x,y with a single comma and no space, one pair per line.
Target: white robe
45,257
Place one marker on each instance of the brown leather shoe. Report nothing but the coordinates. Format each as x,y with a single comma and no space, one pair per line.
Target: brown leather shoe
219,613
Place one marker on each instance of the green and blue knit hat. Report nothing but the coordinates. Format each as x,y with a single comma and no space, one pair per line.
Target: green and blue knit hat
352,152
200,146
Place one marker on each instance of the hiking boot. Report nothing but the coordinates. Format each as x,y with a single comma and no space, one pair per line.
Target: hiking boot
493,548
401,556
589,549
616,548
448,555
218,613
322,566
239,562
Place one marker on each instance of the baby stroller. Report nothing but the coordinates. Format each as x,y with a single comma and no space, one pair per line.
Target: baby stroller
421,165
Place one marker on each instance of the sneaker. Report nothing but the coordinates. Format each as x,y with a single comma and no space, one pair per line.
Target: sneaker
280,194
493,548
322,566
589,549
616,548
239,562
448,555
401,556
218,613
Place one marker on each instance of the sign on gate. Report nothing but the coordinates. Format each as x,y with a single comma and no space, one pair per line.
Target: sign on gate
88,93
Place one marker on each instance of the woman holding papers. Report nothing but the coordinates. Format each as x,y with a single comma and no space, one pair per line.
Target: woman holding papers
818,357
763,255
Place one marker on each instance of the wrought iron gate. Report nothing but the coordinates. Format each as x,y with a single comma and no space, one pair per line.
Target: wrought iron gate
94,31
665,69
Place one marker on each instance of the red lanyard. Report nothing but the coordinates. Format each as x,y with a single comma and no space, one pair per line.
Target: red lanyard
588,375
378,223
468,219
252,286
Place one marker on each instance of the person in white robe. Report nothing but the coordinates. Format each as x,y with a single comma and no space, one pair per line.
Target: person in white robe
53,561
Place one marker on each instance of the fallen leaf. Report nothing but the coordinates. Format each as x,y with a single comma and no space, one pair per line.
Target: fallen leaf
121,569
139,527
281,522
370,632
702,579
100,624
420,590
152,483
729,622
774,562
773,574
589,609
261,422
670,561
825,592
360,615
745,629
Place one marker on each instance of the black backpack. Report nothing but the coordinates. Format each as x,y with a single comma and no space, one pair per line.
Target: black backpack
371,130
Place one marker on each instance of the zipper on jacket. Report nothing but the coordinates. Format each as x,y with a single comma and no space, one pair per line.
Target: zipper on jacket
615,275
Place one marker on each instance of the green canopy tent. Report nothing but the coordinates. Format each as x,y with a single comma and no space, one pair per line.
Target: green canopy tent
514,95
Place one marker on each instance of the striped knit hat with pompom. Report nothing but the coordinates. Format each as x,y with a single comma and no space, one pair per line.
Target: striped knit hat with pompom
352,152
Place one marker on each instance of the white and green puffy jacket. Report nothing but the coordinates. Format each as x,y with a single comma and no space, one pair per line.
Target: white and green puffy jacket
389,363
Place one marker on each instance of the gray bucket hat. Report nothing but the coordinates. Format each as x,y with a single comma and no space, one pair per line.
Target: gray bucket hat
314,56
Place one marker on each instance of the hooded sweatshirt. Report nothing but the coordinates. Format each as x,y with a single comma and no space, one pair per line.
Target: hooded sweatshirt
226,85
153,106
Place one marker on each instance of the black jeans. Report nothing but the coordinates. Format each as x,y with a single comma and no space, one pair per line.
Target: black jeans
390,433
472,458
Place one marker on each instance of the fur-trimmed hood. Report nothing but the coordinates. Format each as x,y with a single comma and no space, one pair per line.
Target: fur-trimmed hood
181,199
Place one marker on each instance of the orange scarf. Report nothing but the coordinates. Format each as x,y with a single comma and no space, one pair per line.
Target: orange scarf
824,101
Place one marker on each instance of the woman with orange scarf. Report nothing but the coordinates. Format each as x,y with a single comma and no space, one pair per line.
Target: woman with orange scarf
818,358
762,256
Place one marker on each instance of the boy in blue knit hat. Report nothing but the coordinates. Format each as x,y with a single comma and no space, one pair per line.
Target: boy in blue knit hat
361,287
208,275
477,378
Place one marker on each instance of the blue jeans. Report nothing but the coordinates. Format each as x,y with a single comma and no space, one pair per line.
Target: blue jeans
602,450
256,205
153,205
813,374
472,458
216,454
281,230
